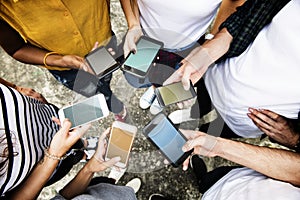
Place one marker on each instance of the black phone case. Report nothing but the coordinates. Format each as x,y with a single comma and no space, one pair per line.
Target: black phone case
108,70
162,103
134,71
183,157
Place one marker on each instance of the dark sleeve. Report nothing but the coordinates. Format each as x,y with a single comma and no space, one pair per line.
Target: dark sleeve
249,19
10,39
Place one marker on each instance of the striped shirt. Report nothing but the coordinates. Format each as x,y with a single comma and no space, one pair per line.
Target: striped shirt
27,126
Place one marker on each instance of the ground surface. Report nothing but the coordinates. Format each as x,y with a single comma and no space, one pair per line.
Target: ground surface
145,162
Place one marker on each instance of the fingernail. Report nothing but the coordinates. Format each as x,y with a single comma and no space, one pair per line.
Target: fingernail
133,51
251,109
184,168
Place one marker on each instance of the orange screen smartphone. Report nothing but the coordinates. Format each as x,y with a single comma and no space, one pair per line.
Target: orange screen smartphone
120,142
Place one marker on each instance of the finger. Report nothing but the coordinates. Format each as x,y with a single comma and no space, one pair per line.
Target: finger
175,77
56,120
112,161
186,79
111,51
80,131
66,125
272,115
262,117
95,46
189,134
185,164
259,123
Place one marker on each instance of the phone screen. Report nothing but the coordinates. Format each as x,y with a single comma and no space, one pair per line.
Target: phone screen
120,144
100,60
167,139
143,58
174,93
84,112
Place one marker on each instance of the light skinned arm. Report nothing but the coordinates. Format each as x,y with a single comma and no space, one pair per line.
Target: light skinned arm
61,142
197,62
226,9
96,164
131,11
275,163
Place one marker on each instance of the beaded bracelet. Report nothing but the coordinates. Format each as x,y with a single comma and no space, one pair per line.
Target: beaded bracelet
48,54
53,157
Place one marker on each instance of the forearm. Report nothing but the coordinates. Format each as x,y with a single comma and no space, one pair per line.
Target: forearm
33,55
219,45
80,182
226,9
9,84
131,12
275,163
31,188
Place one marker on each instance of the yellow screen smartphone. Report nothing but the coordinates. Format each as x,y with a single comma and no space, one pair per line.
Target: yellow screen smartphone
120,142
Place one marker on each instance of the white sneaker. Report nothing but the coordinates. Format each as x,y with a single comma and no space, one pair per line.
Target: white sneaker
179,116
155,107
116,173
147,98
135,184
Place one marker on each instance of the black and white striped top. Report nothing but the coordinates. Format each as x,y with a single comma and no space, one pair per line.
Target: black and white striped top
27,126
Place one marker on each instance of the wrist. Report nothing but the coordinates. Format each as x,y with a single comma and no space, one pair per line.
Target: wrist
50,59
52,152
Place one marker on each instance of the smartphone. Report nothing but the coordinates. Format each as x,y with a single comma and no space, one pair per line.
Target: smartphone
139,63
174,93
101,62
120,142
163,134
86,111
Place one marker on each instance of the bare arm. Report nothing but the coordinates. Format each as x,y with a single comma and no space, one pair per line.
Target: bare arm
134,32
39,176
226,9
197,62
276,163
131,12
81,181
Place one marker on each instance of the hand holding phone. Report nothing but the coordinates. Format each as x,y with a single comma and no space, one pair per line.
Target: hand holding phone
140,62
86,111
120,142
174,93
163,134
101,62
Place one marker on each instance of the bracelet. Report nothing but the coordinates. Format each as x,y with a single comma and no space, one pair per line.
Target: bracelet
53,157
46,56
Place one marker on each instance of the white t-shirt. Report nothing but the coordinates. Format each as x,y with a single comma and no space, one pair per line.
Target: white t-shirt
177,23
265,76
247,184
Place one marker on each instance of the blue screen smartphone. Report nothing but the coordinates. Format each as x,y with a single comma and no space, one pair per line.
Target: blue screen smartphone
86,111
163,134
140,62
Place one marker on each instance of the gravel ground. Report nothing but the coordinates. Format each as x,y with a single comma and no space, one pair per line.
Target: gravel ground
145,162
